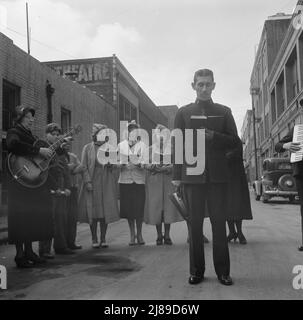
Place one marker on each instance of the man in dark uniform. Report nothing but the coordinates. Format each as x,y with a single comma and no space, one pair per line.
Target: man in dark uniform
211,185
286,144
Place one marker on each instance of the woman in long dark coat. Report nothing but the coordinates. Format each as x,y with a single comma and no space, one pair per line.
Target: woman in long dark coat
239,207
29,210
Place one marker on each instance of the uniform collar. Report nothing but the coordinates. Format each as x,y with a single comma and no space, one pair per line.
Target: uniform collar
204,103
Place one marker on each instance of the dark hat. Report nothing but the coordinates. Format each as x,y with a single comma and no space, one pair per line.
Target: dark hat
21,112
51,127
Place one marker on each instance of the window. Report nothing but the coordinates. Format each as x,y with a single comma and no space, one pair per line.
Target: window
280,94
10,99
121,108
4,174
265,93
127,111
284,166
292,76
273,106
261,132
65,120
133,113
266,126
301,57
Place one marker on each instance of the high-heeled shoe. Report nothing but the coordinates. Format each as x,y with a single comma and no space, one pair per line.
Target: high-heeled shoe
23,263
232,236
242,239
168,241
159,241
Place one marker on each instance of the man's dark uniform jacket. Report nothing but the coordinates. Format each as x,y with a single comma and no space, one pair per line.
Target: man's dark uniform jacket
219,119
297,166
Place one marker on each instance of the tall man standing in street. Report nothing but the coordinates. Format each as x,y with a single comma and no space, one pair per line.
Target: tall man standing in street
211,186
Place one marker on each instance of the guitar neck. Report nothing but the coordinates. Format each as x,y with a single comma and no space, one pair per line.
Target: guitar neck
58,143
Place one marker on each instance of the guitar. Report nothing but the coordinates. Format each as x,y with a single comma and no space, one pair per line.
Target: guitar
32,171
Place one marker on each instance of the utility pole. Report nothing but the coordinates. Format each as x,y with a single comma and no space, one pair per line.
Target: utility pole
27,27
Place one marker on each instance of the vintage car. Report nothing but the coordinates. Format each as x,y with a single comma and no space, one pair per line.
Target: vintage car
277,181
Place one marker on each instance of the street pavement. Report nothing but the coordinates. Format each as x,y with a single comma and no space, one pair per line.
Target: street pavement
262,269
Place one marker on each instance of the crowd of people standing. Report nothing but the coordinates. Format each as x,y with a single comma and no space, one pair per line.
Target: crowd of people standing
89,191
83,190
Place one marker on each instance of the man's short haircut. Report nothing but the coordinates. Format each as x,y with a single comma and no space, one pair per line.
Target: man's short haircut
203,73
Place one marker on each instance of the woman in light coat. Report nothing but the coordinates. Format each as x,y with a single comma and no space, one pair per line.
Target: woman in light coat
158,207
98,200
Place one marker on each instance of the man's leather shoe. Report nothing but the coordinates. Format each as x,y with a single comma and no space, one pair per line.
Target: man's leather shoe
225,280
35,259
23,263
195,279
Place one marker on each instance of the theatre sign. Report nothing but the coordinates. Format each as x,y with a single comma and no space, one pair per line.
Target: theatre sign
86,71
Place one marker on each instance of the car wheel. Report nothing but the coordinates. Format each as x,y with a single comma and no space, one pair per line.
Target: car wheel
292,199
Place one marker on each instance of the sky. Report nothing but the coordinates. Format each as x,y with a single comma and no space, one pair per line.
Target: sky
161,42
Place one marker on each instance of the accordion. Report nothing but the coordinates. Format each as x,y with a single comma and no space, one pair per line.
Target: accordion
297,137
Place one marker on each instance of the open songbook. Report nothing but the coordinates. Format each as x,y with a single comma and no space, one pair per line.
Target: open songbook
297,137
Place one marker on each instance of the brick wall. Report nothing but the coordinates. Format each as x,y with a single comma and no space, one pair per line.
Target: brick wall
22,70
86,107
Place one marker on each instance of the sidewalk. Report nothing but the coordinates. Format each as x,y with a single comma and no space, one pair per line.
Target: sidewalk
3,230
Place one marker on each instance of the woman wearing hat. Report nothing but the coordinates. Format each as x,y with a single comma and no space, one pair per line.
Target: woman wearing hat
98,200
132,183
238,205
159,209
29,210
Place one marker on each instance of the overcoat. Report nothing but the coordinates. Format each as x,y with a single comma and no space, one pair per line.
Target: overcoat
29,210
238,203
108,187
158,207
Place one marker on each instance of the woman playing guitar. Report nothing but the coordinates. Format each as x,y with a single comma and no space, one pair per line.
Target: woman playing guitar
29,210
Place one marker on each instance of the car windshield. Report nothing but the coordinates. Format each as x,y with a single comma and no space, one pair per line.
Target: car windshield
284,166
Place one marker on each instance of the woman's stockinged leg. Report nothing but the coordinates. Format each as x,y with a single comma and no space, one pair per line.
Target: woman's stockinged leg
131,224
167,239
139,223
159,230
93,229
103,229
